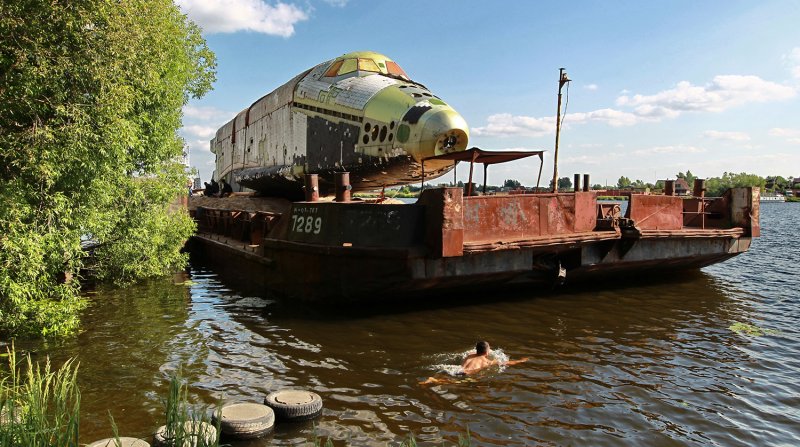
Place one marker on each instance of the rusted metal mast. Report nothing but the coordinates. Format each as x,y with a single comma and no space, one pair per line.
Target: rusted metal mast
562,79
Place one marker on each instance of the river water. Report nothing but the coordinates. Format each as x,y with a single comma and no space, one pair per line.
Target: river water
642,361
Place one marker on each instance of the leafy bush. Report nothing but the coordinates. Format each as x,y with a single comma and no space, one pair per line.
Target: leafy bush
90,104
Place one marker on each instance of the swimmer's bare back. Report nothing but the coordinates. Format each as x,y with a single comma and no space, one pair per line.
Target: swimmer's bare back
459,377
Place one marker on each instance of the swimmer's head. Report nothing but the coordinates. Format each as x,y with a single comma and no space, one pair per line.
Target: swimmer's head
482,347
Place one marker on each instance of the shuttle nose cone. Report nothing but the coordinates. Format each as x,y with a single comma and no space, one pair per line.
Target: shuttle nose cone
443,132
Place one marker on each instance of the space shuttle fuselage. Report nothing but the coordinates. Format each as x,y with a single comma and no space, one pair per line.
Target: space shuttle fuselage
358,113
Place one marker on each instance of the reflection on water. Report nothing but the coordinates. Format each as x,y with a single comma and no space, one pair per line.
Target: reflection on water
631,363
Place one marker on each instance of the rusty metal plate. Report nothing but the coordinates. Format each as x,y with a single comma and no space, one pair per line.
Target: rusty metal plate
656,212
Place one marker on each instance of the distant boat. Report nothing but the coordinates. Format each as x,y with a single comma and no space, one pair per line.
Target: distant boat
772,197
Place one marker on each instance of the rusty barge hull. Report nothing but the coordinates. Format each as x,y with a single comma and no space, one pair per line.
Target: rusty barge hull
327,251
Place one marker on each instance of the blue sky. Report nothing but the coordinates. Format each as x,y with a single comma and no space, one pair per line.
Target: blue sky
658,87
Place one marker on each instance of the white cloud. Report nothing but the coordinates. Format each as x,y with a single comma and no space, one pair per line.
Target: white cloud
614,118
590,87
506,124
730,136
337,3
791,135
206,114
199,127
200,131
722,93
679,149
230,16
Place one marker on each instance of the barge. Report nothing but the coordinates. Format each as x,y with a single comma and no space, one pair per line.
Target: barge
362,114
353,250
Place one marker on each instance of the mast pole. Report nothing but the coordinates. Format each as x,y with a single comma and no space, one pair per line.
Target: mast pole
562,80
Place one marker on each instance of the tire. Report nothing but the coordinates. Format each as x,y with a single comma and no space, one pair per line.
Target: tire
193,429
245,420
123,442
294,405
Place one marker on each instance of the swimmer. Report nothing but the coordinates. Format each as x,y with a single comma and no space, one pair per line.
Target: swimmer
475,363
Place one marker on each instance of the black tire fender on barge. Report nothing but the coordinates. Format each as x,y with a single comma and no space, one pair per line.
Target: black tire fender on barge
294,405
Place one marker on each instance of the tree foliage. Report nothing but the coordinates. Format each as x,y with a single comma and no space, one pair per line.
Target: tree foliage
623,182
563,183
90,103
689,177
716,186
511,183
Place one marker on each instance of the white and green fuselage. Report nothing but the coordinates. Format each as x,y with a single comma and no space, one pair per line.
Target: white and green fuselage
358,113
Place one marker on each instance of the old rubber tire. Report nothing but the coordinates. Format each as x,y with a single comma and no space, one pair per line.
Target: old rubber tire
123,442
294,405
246,420
193,429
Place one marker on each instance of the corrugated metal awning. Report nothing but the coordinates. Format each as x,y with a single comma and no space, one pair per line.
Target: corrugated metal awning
477,155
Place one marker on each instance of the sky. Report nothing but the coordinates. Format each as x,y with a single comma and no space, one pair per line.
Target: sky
657,87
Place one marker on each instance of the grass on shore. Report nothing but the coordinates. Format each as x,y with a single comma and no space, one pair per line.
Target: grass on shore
40,408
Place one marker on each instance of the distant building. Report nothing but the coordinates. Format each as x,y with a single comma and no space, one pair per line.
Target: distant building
681,187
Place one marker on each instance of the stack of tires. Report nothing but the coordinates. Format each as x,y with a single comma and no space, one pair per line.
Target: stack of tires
251,420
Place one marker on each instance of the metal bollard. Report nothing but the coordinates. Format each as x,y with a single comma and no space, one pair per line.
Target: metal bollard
699,187
343,186
669,187
312,187
586,186
577,186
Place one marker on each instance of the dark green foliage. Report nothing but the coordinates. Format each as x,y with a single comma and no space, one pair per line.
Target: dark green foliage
90,102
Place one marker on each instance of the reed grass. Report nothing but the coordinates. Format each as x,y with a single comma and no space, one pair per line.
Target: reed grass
39,407
187,426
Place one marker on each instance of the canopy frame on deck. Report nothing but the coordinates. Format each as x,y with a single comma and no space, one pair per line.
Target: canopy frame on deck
477,155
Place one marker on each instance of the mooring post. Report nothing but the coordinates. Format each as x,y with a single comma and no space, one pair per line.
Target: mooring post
343,186
699,187
585,182
669,187
312,187
577,186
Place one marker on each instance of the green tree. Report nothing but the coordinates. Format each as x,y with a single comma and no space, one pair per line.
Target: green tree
716,186
563,183
689,177
90,103
623,182
513,184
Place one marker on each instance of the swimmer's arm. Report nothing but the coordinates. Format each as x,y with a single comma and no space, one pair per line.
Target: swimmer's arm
514,362
434,380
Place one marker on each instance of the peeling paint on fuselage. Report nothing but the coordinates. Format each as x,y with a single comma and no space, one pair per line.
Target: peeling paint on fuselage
377,125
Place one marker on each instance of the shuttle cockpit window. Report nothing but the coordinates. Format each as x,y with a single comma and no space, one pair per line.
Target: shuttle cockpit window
395,69
359,66
333,70
368,65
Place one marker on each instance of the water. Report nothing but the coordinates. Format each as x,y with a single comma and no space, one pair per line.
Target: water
633,363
